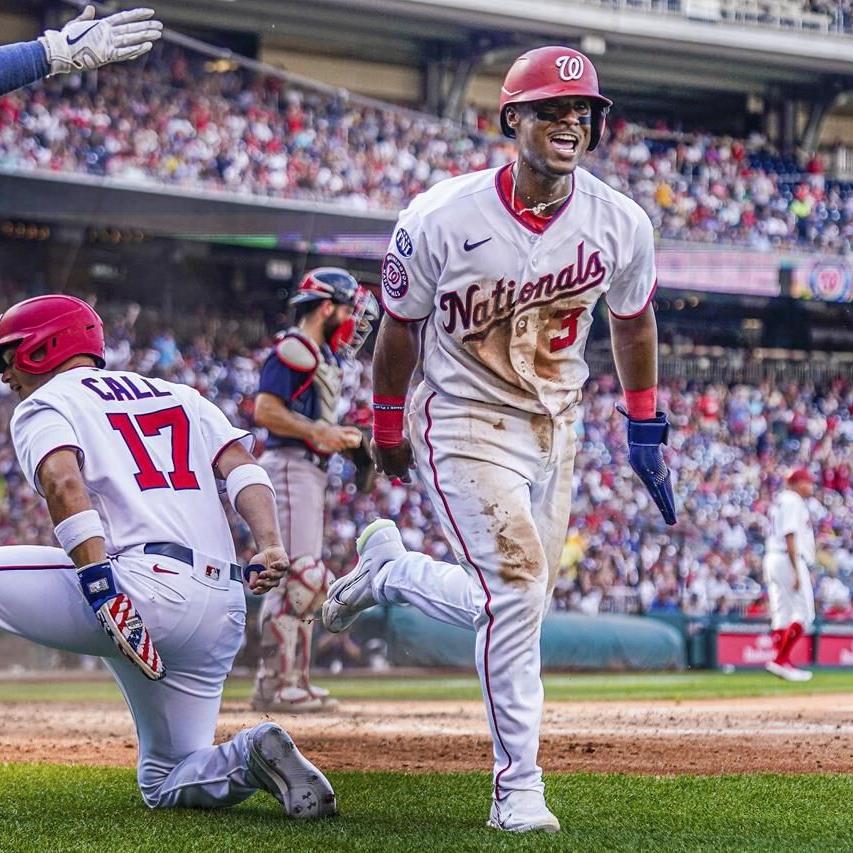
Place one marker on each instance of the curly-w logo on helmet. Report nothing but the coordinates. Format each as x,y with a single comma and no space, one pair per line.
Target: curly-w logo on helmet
571,67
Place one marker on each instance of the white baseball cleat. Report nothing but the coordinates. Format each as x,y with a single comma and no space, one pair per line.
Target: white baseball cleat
379,543
283,771
788,672
523,811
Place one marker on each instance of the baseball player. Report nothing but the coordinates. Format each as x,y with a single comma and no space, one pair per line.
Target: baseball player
790,548
501,270
83,44
297,403
145,578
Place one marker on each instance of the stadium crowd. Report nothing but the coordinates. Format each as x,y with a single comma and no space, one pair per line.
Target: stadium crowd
728,451
171,121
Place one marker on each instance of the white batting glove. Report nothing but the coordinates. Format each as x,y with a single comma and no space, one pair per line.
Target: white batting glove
85,44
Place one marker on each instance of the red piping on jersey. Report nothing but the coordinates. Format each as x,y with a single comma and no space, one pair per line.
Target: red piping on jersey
536,224
483,584
229,443
400,319
81,458
632,316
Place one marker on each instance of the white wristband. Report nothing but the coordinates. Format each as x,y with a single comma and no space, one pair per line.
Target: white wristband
249,474
77,528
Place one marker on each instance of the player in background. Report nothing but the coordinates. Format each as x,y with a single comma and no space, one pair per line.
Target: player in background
297,403
145,579
83,44
790,549
500,271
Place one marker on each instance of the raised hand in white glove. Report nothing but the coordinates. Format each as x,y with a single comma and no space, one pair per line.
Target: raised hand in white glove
85,44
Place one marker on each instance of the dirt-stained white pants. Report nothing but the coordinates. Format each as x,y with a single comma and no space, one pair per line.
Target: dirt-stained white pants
197,623
501,482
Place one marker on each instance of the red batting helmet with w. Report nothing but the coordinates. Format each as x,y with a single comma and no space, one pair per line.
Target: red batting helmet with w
554,72
48,330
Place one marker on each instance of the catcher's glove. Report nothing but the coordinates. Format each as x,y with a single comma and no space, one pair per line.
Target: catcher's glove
365,470
646,457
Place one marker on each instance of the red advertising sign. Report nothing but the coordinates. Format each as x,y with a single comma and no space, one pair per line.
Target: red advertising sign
835,647
754,648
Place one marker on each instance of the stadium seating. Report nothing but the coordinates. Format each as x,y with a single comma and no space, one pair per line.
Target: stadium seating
175,123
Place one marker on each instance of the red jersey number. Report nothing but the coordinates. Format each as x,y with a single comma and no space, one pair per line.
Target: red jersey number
149,476
568,333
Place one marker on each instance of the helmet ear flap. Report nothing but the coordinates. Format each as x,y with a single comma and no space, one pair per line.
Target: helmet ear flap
599,117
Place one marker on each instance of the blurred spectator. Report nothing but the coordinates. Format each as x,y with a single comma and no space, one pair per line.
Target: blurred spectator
170,120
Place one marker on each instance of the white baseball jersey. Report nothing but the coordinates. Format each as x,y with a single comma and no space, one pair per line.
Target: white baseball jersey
789,514
509,309
146,448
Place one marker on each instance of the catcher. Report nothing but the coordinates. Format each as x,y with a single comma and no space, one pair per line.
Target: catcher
297,404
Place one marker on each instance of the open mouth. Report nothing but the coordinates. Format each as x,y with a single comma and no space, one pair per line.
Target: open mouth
565,143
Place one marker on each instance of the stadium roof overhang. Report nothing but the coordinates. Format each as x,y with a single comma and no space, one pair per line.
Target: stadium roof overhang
643,49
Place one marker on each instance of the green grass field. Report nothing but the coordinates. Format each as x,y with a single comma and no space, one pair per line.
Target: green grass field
53,808
575,687
69,809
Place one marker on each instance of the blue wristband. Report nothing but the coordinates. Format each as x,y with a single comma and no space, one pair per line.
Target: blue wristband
96,581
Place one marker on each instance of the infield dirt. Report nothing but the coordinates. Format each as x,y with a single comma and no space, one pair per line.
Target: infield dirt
799,734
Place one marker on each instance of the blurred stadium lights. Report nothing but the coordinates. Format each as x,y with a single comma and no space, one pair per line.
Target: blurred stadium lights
593,45
278,269
221,66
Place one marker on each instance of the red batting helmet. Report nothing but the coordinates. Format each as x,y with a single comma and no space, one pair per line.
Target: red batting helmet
62,326
554,72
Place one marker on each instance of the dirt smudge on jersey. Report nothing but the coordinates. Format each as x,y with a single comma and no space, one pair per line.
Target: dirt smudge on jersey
545,365
500,425
491,348
541,428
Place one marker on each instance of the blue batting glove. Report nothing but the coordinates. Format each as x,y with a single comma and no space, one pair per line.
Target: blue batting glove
644,453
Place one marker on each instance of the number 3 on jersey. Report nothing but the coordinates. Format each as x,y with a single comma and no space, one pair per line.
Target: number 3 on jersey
568,332
151,424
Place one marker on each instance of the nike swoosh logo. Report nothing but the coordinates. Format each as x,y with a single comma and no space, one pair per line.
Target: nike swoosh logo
471,246
161,571
85,32
346,586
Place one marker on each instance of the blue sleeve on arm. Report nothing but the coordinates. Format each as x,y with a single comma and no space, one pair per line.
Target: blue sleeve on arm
20,64
279,379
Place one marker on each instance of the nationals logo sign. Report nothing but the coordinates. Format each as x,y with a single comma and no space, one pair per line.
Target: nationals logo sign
832,282
571,67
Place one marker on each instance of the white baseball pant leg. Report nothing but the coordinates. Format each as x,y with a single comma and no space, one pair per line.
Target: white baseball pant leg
788,605
500,481
197,626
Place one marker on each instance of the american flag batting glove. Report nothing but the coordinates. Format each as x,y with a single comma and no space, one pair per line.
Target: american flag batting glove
119,618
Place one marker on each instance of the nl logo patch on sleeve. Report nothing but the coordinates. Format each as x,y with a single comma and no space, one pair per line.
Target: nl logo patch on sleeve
404,244
395,279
